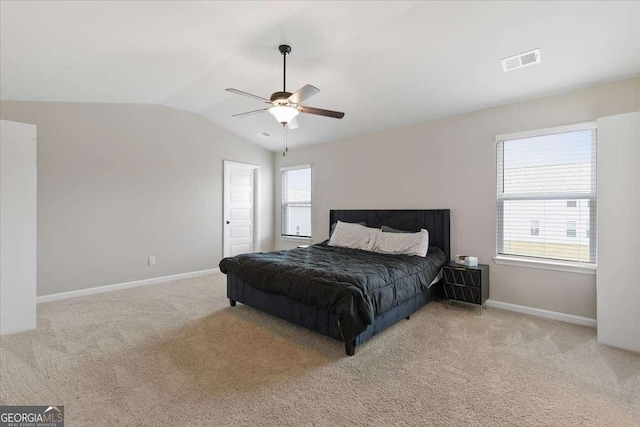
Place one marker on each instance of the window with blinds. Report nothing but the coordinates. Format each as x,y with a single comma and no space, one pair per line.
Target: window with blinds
296,201
546,198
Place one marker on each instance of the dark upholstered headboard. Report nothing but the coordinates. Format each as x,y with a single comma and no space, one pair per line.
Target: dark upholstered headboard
436,221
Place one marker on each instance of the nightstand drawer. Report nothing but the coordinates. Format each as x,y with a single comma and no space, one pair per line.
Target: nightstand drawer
463,293
466,284
462,276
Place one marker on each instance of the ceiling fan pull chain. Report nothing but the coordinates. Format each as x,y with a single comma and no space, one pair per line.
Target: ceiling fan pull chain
284,141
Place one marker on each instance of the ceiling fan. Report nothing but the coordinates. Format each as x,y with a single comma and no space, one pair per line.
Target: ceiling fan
285,106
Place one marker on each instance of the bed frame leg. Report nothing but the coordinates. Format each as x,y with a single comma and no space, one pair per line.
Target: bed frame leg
408,317
232,302
350,347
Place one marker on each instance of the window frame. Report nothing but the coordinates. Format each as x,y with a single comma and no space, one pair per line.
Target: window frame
283,236
536,262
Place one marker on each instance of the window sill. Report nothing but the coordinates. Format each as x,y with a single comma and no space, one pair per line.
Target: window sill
296,239
571,267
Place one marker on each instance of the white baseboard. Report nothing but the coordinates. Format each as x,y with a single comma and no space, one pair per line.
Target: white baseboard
569,318
125,285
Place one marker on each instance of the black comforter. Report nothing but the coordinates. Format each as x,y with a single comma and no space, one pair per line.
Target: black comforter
356,285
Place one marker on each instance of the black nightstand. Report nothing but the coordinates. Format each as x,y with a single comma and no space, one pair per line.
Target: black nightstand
466,284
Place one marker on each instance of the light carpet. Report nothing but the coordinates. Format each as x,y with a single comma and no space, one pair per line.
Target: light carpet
177,354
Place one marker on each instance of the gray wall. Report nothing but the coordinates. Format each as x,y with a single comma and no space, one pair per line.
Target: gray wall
120,182
451,163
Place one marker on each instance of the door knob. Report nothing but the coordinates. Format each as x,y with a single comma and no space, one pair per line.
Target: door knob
227,222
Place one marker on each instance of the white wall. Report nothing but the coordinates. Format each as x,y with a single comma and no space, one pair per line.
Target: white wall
120,182
619,231
451,163
18,176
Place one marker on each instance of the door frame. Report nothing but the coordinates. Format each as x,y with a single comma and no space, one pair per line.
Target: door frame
256,203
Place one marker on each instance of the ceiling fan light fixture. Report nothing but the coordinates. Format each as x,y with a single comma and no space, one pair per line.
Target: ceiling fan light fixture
284,114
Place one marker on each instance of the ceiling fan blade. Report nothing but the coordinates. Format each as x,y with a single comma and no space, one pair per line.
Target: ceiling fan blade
306,91
250,113
249,95
293,124
321,112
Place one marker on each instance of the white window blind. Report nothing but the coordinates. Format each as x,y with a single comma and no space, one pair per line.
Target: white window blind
296,201
546,198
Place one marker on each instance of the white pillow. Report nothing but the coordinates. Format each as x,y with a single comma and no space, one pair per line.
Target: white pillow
402,243
354,236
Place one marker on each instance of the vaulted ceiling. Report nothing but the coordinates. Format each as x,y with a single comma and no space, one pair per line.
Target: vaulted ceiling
385,64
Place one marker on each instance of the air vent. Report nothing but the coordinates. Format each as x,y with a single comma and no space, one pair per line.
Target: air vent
521,60
263,134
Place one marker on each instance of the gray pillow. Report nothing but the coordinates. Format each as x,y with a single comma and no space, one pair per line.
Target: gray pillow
386,229
333,226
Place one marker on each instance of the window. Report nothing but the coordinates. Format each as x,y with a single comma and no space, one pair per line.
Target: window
296,201
546,195
534,230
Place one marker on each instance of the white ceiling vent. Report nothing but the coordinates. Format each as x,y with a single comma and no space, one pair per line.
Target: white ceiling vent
521,60
263,134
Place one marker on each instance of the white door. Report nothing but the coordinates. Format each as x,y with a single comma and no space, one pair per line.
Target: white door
239,208
617,287
18,180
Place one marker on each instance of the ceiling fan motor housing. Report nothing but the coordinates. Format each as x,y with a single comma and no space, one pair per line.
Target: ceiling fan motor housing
280,98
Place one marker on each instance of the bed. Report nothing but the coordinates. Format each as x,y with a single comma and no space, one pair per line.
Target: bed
346,294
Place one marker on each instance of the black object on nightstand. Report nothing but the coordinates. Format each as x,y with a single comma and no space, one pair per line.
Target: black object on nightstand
466,284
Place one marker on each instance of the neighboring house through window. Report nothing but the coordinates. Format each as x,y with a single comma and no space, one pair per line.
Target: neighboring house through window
296,201
535,227
546,195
